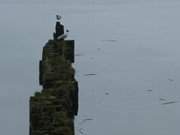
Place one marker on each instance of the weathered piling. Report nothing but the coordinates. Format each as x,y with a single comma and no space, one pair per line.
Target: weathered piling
53,109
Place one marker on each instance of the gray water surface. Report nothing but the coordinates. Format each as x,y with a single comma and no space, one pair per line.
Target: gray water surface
130,49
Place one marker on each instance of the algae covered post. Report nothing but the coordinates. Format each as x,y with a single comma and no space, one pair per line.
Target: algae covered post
53,109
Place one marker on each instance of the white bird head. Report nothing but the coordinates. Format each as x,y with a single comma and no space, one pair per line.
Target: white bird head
58,17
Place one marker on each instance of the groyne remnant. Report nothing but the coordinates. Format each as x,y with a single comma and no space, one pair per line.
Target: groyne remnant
53,109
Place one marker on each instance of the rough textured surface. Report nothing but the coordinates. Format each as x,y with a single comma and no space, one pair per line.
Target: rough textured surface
53,109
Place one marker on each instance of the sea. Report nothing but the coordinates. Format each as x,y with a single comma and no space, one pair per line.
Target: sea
127,62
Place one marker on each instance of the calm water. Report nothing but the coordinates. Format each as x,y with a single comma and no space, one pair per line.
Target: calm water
131,48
